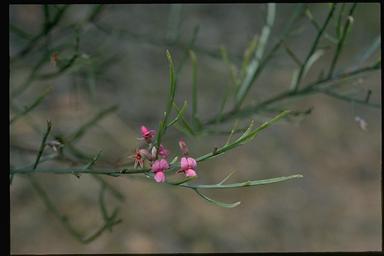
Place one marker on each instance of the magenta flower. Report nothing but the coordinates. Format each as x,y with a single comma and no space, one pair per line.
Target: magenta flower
188,166
159,167
147,134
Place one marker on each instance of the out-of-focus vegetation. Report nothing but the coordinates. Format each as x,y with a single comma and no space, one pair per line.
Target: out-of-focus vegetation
98,72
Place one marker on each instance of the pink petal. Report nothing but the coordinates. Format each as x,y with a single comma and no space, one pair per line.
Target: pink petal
190,173
141,163
184,163
191,163
164,164
144,130
156,166
159,177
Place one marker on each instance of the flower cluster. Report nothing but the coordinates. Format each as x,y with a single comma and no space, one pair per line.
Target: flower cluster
158,158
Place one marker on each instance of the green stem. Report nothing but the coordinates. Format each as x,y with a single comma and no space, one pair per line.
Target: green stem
32,106
64,220
170,102
255,64
105,171
243,184
46,29
246,112
42,145
313,48
341,41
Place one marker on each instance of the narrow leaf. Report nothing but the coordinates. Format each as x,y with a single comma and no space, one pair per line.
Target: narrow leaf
170,101
218,203
226,178
184,122
314,57
254,65
82,129
192,55
179,114
244,184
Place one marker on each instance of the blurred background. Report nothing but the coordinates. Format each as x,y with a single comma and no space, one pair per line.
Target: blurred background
120,60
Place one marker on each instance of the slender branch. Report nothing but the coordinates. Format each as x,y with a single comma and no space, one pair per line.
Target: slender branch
243,184
82,129
346,98
308,89
341,40
46,29
254,65
29,108
105,171
64,219
215,54
43,144
313,48
194,84
170,101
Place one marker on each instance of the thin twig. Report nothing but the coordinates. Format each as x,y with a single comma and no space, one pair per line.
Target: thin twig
313,48
340,43
43,144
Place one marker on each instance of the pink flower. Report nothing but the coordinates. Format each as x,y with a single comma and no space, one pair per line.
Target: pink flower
159,167
139,160
147,134
188,166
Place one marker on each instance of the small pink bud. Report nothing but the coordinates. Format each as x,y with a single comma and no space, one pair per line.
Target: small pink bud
163,152
183,147
147,134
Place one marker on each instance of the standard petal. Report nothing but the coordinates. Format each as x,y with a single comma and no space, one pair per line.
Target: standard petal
144,130
141,163
184,163
156,166
164,164
191,163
